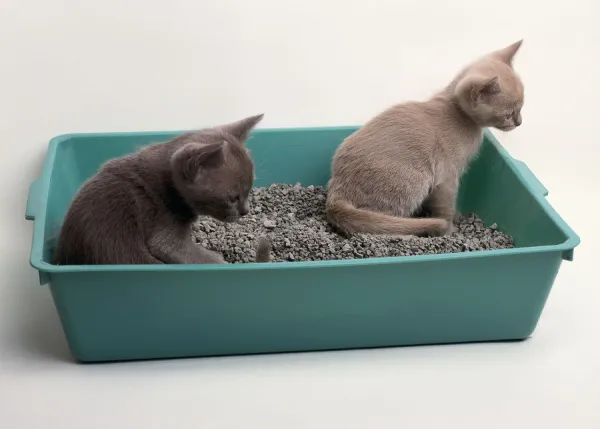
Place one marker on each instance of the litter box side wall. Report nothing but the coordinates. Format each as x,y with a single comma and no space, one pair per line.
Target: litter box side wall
118,313
510,194
133,315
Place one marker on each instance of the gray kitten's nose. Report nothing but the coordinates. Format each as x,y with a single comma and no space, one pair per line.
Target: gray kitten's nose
244,209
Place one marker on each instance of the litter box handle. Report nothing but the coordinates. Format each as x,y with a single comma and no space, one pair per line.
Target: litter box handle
33,200
530,178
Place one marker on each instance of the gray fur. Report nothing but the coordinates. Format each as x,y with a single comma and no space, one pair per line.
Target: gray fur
139,208
410,158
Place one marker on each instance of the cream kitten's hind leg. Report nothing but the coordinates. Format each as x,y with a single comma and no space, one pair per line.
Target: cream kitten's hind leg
441,203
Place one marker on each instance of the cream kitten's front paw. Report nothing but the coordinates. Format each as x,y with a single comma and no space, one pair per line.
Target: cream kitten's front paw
451,228
440,229
457,217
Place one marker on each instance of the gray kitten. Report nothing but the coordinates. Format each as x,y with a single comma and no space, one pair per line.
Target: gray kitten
409,159
139,208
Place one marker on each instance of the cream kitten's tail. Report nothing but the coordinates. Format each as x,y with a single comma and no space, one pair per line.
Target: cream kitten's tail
353,220
263,250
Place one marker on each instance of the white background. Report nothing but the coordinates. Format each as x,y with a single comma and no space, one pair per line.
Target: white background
112,65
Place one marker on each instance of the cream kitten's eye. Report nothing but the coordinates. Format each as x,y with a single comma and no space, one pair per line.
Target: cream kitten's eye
510,115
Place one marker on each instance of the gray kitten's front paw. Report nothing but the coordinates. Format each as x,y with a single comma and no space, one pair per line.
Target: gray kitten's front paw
216,257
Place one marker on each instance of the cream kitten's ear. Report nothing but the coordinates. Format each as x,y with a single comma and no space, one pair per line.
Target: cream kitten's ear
187,160
477,88
507,54
241,129
483,90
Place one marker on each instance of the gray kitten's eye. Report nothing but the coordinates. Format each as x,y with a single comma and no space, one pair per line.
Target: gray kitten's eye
510,115
234,199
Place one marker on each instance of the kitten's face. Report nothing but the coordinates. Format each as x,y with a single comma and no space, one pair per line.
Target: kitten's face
491,93
499,104
222,192
214,173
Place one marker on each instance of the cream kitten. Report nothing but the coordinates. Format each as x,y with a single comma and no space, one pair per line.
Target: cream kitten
410,158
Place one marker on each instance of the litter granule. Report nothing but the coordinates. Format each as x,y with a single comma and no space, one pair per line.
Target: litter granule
293,217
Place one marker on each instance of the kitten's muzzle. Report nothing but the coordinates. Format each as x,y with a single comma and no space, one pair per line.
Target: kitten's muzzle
507,127
518,120
244,210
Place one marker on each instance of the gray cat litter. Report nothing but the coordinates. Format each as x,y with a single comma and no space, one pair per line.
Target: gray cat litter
293,218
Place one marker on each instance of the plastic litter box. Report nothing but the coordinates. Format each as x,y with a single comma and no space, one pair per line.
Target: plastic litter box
124,312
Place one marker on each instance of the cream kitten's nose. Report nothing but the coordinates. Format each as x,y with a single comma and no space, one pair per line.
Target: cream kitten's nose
518,120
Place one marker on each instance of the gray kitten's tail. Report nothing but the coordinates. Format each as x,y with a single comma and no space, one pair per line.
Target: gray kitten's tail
263,250
352,220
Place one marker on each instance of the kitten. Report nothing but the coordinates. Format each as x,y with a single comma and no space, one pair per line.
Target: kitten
410,157
139,208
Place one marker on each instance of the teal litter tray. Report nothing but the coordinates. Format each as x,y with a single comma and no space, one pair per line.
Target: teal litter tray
124,312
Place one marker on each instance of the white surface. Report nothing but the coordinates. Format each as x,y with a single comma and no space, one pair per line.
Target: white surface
72,66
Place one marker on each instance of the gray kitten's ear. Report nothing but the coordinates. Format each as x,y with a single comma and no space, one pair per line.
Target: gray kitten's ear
194,156
507,54
241,129
481,91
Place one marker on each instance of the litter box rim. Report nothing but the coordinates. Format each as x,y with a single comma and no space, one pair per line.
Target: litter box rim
39,190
